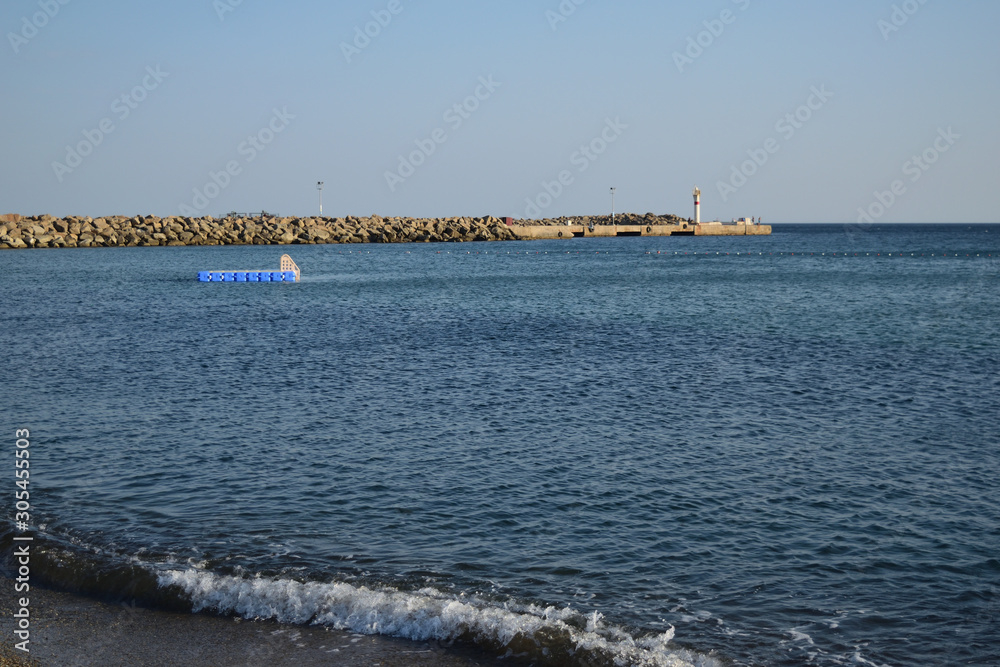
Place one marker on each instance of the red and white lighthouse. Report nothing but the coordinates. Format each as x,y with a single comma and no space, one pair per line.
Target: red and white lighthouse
697,206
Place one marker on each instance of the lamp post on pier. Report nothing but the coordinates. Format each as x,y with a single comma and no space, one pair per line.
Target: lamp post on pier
613,205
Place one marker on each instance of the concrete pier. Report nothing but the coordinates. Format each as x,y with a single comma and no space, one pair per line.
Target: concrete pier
679,229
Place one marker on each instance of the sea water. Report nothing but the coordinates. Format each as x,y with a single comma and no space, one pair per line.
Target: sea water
772,450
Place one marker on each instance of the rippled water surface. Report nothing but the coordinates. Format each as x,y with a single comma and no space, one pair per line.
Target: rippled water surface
779,450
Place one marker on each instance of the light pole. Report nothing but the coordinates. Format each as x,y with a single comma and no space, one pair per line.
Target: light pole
319,186
613,205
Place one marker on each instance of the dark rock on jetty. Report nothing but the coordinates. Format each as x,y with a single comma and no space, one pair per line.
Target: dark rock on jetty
620,219
45,231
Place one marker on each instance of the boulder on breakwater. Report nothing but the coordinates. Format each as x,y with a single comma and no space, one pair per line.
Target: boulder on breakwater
46,231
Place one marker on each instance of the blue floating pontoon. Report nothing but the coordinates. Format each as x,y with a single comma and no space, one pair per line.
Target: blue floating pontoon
288,273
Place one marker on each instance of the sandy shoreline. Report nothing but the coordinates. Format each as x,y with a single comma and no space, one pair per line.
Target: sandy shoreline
71,630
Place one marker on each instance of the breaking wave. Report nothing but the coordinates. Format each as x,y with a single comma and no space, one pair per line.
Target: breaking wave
544,635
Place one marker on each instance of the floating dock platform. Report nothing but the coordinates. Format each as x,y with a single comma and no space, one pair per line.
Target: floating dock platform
680,229
287,273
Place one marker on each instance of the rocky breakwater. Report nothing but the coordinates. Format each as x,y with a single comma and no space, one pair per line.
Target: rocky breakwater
620,219
46,231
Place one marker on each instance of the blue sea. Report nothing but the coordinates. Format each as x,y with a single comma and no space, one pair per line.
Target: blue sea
779,450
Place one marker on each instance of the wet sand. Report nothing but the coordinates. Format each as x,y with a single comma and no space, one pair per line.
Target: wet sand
69,630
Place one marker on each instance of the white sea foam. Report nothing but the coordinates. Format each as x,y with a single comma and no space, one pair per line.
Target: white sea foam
424,614
799,636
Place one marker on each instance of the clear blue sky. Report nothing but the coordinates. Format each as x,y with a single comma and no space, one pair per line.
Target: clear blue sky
201,78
